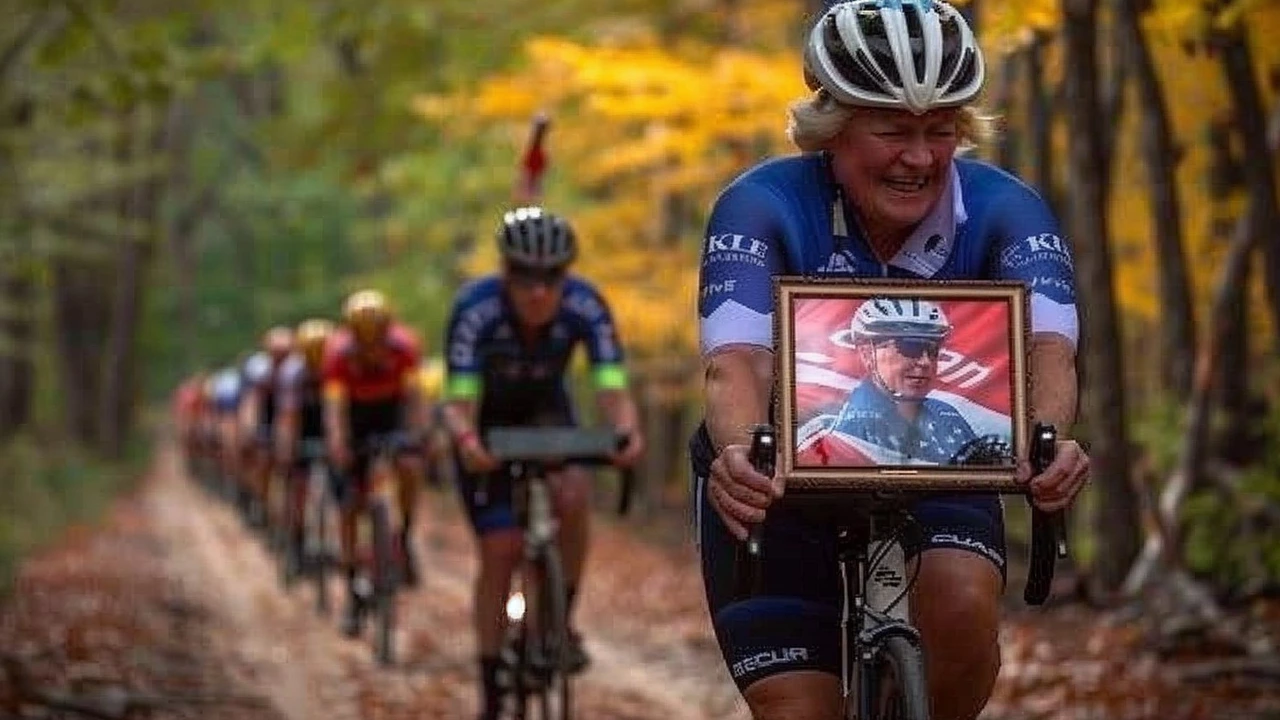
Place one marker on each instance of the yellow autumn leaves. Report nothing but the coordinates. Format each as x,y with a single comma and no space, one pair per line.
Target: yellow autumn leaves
646,131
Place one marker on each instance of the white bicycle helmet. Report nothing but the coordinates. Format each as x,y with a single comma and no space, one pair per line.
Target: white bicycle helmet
895,317
908,54
533,237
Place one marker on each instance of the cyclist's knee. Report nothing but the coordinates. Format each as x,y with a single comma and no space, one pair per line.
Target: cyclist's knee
802,695
572,491
958,590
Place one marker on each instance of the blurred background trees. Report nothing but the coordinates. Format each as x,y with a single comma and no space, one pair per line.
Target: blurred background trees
177,176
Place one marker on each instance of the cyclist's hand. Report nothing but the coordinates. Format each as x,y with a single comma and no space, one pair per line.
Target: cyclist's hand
474,457
738,493
1056,487
630,453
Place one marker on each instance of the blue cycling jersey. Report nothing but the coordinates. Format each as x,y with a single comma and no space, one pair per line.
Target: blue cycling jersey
513,379
934,436
228,387
786,217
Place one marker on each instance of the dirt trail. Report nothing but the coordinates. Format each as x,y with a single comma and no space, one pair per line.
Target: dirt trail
172,595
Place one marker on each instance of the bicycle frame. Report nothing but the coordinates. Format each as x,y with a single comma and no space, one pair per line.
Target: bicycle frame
875,588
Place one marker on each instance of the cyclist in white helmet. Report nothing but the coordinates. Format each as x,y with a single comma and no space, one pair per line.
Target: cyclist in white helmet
877,191
889,419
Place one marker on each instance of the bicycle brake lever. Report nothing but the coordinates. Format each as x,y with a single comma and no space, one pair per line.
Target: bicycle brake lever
763,452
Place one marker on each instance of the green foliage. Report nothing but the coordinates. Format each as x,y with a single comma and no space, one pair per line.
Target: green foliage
1234,538
45,492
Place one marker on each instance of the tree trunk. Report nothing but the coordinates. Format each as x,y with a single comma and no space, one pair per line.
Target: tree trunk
1040,124
81,310
17,287
1161,156
1008,148
1116,523
139,203
1251,124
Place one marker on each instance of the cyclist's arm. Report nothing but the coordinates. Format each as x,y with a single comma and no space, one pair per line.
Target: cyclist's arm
740,256
608,366
1033,251
250,410
288,404
463,378
416,408
335,401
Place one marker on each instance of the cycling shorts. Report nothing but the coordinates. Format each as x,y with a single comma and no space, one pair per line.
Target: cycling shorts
793,624
368,420
495,510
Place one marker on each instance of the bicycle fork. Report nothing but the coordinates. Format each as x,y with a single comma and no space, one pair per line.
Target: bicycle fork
874,604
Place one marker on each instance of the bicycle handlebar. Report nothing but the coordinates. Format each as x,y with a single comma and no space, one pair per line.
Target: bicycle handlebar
1048,529
554,445
563,446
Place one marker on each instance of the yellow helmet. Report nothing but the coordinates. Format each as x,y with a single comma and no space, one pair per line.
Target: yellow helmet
367,313
431,377
311,337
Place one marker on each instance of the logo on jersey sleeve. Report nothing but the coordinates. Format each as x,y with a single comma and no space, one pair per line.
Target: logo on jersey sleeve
466,332
735,247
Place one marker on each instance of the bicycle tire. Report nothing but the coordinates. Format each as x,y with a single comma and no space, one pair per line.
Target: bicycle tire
555,697
910,690
384,580
318,502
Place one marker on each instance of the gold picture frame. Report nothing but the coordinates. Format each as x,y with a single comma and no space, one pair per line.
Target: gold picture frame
884,406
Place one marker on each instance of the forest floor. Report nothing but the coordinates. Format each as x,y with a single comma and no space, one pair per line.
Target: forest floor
170,607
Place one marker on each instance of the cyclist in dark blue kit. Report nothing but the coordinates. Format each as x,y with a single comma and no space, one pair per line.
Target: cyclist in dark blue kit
510,338
878,191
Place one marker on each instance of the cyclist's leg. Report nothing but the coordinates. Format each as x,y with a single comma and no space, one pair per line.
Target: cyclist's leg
573,510
782,647
500,545
956,601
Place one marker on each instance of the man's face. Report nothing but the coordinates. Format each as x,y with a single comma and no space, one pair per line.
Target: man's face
907,367
535,294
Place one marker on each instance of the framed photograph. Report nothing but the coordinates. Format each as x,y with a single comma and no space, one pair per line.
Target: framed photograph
902,385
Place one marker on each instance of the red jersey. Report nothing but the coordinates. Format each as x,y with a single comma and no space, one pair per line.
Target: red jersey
188,399
385,374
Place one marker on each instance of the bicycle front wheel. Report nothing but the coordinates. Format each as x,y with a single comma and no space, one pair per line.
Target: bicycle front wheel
384,580
553,614
902,665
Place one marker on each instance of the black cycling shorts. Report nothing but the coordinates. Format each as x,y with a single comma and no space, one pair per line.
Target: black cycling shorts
793,623
369,420
493,509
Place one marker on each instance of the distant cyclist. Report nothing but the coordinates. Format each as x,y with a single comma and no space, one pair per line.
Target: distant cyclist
258,414
370,390
510,338
226,391
878,192
300,410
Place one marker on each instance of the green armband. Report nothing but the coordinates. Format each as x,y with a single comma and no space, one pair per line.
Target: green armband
612,376
462,387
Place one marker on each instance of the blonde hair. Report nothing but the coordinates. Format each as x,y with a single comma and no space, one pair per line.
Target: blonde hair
813,122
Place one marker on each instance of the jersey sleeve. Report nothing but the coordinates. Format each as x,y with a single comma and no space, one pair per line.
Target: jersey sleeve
462,361
600,334
1031,249
333,373
741,253
410,352
288,386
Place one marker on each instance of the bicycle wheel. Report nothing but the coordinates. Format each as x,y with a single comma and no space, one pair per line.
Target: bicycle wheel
318,529
554,696
384,579
908,691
